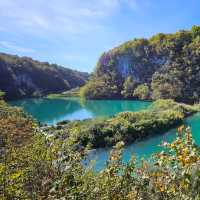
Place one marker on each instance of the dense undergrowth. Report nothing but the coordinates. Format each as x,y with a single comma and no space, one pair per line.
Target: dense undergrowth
36,166
126,126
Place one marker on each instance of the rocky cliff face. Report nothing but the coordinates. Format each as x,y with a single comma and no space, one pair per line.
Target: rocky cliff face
22,77
168,64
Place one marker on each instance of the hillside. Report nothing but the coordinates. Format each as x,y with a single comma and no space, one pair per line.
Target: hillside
164,66
22,77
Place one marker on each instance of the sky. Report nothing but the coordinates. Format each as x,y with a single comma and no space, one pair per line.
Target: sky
74,33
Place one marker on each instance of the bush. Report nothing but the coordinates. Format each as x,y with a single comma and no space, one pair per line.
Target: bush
142,92
2,94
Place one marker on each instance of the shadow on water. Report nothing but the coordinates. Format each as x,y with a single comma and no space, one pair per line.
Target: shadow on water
49,110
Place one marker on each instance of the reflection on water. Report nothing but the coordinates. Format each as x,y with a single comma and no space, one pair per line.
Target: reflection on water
51,111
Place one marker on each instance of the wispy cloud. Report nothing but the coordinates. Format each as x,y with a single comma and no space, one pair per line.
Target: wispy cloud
77,16
79,28
14,47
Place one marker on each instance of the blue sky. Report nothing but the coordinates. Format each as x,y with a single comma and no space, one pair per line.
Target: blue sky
74,33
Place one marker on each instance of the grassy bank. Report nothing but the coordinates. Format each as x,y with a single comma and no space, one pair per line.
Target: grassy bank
70,93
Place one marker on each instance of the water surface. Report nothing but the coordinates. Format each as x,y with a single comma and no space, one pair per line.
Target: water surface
51,111
145,148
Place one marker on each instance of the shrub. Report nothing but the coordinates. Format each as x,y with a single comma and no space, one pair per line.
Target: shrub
142,92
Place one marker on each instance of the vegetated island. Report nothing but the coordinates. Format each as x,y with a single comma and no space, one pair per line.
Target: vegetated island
128,127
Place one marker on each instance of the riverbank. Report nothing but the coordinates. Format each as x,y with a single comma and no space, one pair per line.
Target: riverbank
70,93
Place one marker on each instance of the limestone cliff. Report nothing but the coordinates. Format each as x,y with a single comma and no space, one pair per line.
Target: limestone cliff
168,64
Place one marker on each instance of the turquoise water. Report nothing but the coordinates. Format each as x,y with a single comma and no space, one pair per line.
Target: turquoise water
51,111
144,149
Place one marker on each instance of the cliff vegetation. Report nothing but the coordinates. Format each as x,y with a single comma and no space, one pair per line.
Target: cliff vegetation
165,66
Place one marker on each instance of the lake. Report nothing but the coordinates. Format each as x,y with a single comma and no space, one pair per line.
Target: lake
51,111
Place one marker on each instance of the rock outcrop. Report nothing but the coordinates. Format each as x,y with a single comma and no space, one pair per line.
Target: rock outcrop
168,64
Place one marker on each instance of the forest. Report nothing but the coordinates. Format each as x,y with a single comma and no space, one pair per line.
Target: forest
23,77
165,66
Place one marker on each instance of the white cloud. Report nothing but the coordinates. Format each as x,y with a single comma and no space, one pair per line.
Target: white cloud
61,16
15,47
82,28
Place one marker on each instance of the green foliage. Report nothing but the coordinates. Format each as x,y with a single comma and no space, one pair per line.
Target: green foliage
167,63
165,86
142,92
126,126
23,77
2,94
158,38
128,87
195,31
103,87
50,167
75,92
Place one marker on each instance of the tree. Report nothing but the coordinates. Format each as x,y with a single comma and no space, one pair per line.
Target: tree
195,31
128,87
166,86
141,91
2,94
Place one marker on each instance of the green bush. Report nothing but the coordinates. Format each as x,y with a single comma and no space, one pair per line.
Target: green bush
142,92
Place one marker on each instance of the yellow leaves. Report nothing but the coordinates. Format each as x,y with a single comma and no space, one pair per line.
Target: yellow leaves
162,189
184,184
16,175
34,125
120,145
2,168
173,189
132,195
114,157
157,174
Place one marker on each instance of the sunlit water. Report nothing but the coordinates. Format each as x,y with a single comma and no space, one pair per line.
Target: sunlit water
145,148
51,111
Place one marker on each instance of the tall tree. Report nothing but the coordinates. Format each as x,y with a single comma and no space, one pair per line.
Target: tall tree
128,87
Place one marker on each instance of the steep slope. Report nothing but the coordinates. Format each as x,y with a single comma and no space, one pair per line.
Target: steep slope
164,66
24,77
